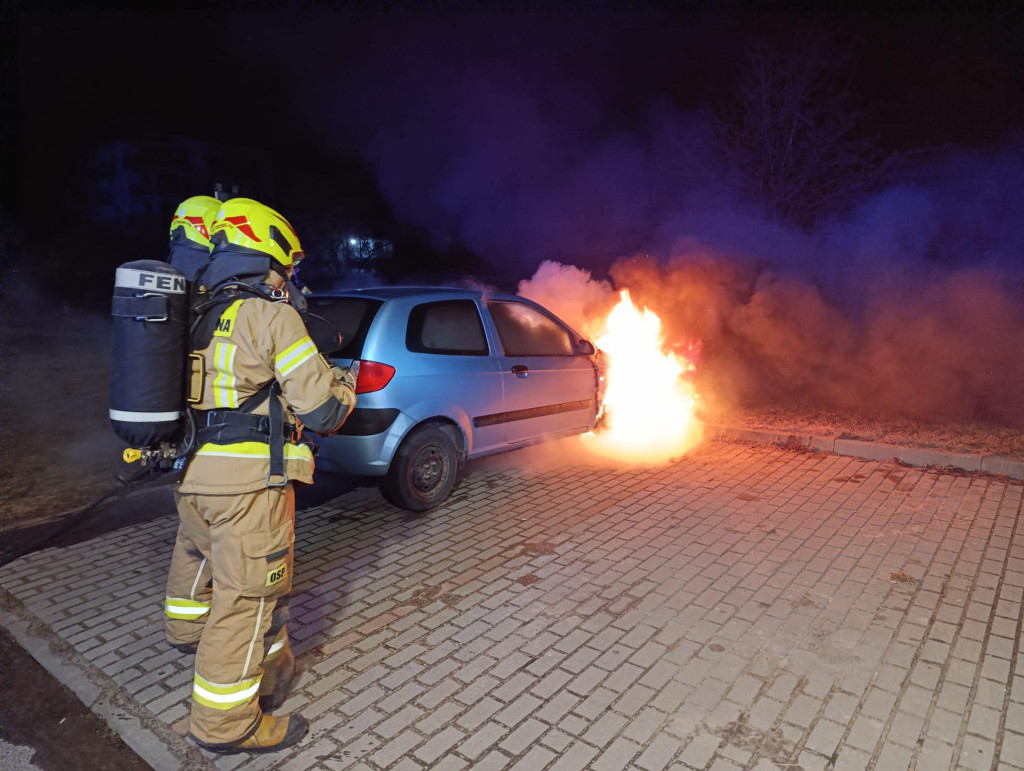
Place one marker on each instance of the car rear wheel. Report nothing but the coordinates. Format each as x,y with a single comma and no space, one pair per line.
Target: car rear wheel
423,471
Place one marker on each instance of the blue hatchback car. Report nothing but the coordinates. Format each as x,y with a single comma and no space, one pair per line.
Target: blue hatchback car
445,375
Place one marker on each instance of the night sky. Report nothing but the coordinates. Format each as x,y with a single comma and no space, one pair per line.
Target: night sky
430,111
598,136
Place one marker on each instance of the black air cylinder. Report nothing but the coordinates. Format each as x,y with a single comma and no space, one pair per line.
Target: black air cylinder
150,310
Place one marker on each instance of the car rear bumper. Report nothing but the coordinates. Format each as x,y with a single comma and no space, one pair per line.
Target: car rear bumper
365,443
368,422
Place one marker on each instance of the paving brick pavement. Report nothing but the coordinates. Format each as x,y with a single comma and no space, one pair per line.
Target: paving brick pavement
745,607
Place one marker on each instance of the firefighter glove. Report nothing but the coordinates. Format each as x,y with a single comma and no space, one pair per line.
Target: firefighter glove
345,376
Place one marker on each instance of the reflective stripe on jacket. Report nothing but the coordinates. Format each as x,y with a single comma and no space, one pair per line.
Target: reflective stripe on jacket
254,342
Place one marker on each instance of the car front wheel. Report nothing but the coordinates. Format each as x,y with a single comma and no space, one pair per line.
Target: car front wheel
423,471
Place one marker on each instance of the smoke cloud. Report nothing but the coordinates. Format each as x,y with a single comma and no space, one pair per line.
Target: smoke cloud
570,168
946,347
911,306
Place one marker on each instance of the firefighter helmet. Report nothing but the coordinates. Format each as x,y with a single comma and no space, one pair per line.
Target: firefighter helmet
252,226
193,219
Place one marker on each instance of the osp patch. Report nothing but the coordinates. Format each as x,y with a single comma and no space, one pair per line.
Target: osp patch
277,575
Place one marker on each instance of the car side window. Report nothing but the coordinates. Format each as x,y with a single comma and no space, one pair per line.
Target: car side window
525,331
449,327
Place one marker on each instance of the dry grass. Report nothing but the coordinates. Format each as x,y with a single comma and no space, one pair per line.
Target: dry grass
60,453
972,438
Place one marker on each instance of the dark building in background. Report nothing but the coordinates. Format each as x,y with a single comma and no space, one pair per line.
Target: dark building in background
120,196
118,199
126,182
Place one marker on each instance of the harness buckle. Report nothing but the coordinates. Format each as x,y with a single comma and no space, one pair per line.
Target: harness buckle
282,483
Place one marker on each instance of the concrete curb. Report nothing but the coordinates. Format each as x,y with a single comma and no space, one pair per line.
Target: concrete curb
856,448
151,740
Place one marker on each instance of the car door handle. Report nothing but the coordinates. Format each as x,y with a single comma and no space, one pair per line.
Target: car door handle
520,370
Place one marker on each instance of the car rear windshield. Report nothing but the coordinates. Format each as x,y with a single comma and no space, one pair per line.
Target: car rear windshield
351,316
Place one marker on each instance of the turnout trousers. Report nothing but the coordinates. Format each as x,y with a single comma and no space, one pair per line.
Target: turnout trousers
228,589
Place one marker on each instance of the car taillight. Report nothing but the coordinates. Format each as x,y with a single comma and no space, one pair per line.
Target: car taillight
373,376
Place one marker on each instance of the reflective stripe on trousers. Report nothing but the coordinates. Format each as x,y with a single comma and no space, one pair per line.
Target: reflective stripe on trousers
177,607
224,696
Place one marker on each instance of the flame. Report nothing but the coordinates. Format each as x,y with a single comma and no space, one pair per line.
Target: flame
649,402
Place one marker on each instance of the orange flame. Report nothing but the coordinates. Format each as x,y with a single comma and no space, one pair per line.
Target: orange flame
649,402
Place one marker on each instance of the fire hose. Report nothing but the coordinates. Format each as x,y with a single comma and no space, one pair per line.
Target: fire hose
150,477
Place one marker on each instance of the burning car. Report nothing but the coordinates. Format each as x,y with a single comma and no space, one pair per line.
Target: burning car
445,375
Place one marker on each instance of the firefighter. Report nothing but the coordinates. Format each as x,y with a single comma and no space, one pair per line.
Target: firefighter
231,569
190,234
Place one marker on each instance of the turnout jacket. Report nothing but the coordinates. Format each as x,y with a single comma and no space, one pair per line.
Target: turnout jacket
254,342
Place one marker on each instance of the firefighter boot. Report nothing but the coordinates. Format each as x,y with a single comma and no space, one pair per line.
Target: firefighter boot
279,673
272,734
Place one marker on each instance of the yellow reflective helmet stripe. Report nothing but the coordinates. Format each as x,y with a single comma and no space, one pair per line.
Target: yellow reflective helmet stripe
224,391
295,355
177,607
252,450
220,696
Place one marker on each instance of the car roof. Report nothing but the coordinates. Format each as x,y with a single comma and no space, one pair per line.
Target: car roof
426,292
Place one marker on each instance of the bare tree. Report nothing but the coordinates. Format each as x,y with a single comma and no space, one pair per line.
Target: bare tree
792,133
